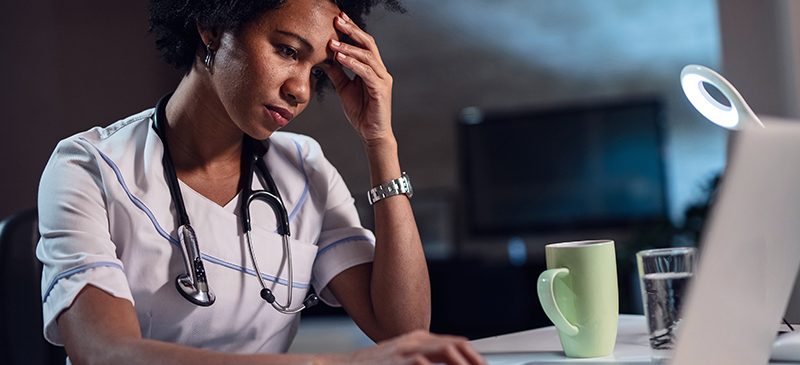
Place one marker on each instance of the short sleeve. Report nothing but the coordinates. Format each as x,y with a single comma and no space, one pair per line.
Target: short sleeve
75,247
343,241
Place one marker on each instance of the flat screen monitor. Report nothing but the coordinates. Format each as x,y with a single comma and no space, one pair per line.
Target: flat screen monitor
569,168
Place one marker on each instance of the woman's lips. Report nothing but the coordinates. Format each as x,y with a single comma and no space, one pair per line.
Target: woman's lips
279,115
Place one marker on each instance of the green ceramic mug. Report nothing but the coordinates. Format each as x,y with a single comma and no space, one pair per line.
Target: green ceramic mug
578,292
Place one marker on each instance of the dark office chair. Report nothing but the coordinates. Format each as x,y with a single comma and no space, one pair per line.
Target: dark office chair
21,339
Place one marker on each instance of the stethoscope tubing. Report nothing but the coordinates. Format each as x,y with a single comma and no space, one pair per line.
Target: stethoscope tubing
282,217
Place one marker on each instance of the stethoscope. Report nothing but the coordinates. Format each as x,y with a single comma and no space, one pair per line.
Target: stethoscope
193,284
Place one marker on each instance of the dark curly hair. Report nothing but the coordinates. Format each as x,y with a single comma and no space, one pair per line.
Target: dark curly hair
174,22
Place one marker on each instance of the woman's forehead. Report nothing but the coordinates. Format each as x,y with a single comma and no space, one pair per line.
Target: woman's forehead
311,19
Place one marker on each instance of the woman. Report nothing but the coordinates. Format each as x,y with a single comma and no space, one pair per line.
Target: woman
116,203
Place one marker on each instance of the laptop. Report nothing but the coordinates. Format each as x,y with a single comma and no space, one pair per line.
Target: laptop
750,253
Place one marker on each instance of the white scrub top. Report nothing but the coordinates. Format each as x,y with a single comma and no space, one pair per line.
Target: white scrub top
106,218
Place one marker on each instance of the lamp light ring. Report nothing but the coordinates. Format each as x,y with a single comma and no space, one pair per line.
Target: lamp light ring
735,116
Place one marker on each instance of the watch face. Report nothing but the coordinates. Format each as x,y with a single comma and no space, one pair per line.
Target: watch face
408,184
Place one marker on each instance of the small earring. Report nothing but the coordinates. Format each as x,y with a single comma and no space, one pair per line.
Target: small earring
209,59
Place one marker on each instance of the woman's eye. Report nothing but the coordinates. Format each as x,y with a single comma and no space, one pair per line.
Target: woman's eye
318,73
288,51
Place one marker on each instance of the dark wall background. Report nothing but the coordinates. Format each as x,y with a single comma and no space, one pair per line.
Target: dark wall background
68,66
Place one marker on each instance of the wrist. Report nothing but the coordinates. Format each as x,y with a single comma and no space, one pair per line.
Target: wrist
329,359
384,163
388,142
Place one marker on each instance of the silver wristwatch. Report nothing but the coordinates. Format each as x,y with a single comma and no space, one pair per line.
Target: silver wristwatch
401,185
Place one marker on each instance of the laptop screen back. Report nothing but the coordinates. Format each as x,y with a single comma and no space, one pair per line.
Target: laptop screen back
749,254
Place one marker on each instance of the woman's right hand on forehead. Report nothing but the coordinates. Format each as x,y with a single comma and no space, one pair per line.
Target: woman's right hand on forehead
417,348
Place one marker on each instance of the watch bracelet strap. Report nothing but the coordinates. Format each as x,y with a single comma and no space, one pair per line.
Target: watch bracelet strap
400,185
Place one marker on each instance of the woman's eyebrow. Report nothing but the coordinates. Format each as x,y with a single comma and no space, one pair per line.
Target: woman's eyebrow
297,37
305,42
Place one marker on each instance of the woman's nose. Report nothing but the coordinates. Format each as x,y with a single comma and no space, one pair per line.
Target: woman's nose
297,89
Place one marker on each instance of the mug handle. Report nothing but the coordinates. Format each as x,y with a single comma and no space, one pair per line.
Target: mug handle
544,288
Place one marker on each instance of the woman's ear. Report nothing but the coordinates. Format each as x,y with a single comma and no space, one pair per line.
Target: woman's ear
208,35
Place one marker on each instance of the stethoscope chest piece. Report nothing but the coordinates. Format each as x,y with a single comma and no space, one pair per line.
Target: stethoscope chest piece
191,293
193,285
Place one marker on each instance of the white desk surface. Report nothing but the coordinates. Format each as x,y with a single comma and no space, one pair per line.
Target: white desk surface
541,346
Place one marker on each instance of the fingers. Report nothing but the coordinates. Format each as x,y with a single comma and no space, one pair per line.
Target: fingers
449,354
419,348
359,68
378,87
367,97
473,357
465,349
441,349
365,62
363,56
419,360
346,26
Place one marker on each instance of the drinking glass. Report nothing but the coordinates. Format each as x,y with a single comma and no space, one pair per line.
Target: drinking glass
664,275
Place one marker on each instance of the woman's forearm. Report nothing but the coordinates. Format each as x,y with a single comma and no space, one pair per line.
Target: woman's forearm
399,286
102,329
149,352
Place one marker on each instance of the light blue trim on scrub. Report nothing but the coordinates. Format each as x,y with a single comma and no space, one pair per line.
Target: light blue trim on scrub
343,240
304,195
75,270
252,272
139,204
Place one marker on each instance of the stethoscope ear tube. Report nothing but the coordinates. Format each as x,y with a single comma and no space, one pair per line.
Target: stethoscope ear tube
276,205
272,197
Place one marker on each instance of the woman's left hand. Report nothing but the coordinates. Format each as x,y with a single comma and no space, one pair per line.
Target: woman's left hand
367,98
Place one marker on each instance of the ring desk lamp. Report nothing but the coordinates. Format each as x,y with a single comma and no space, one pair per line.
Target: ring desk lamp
736,116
